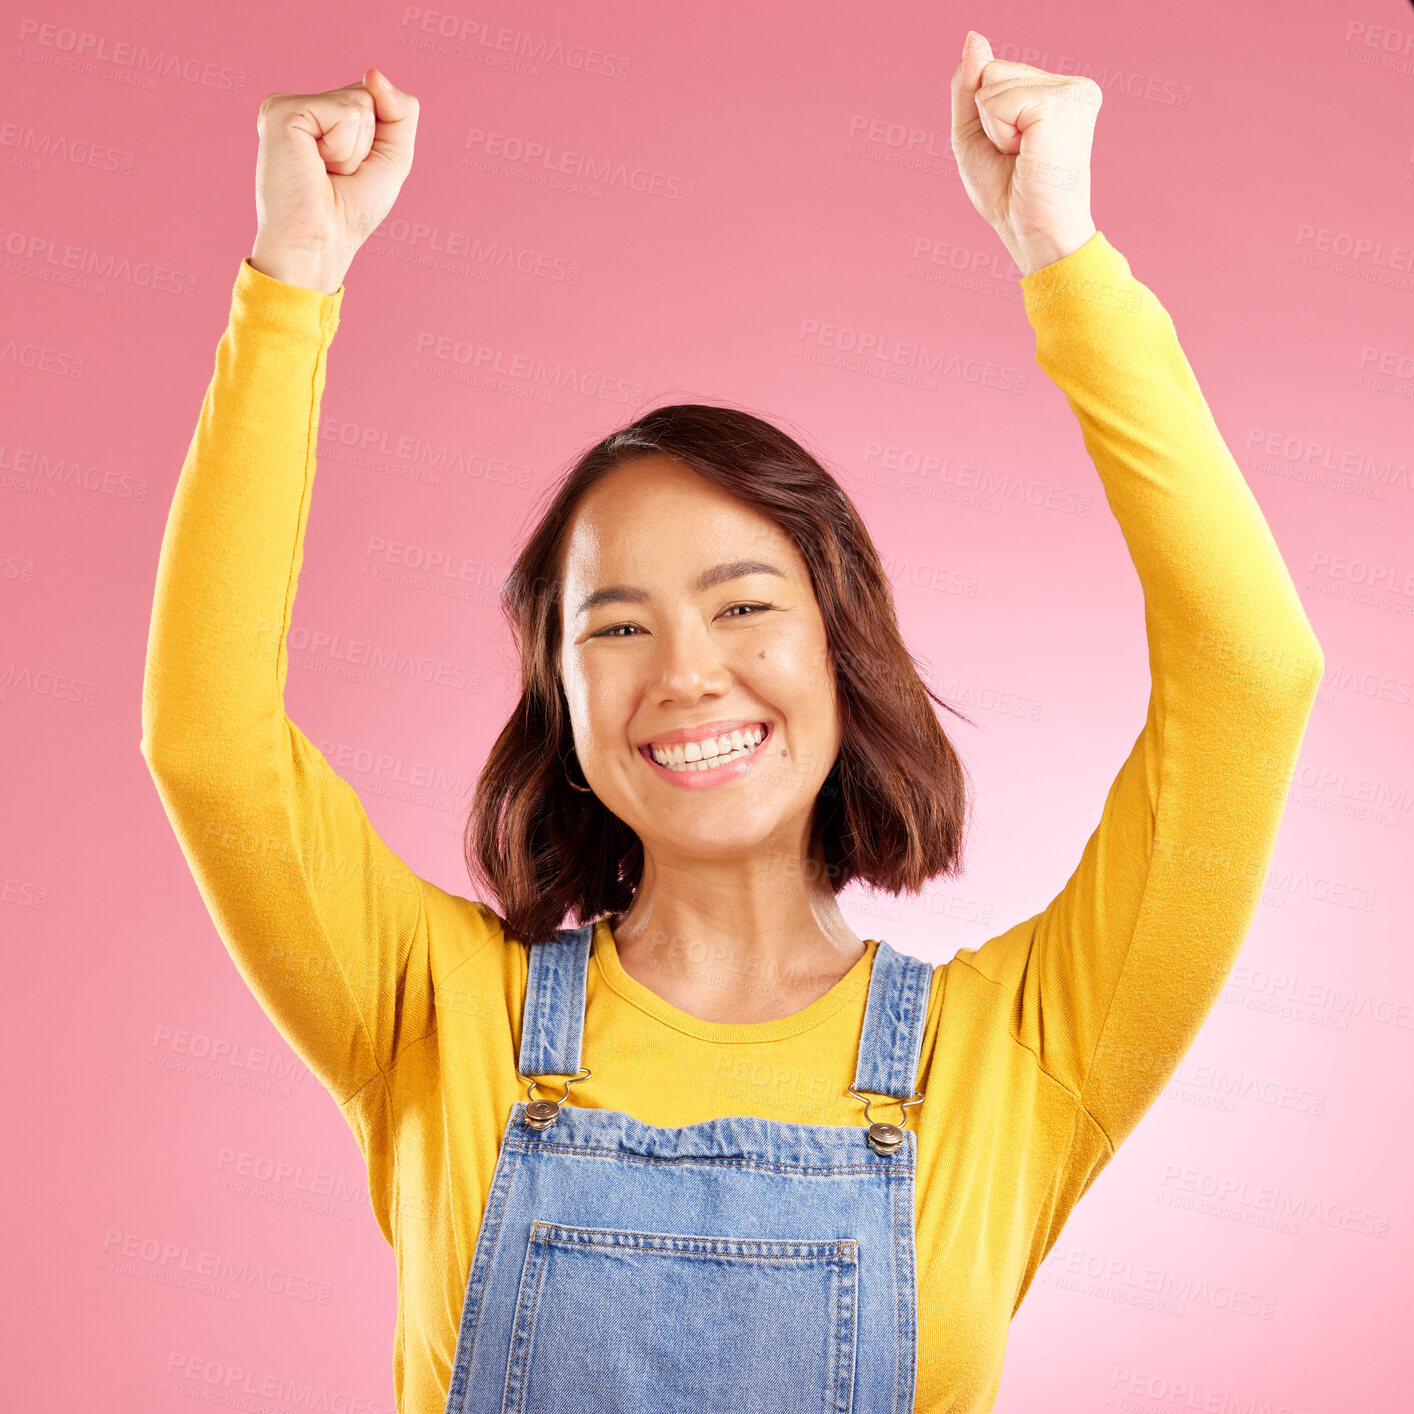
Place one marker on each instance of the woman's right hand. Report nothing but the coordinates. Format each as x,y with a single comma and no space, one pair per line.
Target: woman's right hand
329,168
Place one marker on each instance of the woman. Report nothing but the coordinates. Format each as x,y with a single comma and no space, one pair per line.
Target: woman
613,1179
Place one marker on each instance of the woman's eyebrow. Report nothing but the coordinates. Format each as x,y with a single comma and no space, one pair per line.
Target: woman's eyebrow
708,579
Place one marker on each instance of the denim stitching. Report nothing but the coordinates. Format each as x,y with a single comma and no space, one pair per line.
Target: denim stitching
574,1042
907,1040
845,1391
471,1314
898,1286
555,1003
890,1051
520,1364
835,1344
867,1069
845,1333
885,1169
906,1286
889,1037
569,1235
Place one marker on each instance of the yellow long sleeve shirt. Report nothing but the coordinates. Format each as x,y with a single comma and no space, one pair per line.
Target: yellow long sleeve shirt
1043,1047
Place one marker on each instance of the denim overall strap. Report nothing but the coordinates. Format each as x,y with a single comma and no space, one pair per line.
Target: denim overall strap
552,1028
895,1013
890,1043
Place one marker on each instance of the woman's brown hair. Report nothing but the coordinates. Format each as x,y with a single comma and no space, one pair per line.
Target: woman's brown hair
891,811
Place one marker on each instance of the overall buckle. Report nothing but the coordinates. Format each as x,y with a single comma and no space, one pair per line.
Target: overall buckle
885,1138
541,1114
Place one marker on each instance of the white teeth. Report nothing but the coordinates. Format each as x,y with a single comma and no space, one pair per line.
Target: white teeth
703,755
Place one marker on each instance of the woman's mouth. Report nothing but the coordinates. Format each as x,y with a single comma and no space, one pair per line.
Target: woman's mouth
710,761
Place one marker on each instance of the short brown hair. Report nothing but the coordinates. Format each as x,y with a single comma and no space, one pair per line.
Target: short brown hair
892,809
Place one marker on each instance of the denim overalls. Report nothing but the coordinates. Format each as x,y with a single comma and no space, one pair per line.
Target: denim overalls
738,1264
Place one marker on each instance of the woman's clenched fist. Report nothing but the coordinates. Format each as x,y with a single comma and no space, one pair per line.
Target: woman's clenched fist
1022,140
329,168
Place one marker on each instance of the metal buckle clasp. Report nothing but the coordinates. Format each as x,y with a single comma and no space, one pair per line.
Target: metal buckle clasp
541,1114
885,1138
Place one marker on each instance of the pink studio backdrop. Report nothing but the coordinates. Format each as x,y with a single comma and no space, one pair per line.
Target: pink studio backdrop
1255,166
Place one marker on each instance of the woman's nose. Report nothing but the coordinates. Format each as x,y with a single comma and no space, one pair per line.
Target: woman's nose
690,663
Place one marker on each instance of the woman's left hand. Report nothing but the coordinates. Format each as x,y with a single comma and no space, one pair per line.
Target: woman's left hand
1022,139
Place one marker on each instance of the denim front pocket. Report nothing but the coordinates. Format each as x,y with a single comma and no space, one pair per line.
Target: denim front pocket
640,1321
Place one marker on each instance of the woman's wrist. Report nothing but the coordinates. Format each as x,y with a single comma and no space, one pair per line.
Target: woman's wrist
308,269
1036,252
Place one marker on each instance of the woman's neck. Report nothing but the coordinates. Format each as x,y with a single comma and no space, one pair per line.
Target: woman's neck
736,945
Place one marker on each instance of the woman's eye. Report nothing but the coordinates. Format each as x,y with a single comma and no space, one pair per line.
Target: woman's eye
619,630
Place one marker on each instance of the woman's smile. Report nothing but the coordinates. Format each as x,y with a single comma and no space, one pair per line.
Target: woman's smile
726,754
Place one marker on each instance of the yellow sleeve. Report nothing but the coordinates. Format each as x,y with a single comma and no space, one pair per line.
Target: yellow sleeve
324,922
1112,982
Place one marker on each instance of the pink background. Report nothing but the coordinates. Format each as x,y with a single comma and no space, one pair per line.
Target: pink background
1255,166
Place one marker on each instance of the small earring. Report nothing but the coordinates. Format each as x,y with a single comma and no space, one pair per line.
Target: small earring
571,780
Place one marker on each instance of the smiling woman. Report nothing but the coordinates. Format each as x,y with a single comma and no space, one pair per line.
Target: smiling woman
774,611
806,1171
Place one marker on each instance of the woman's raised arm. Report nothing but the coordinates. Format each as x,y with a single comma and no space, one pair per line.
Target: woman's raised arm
325,923
1109,985
1113,980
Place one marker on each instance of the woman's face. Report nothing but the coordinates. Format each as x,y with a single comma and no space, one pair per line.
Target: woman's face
701,615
